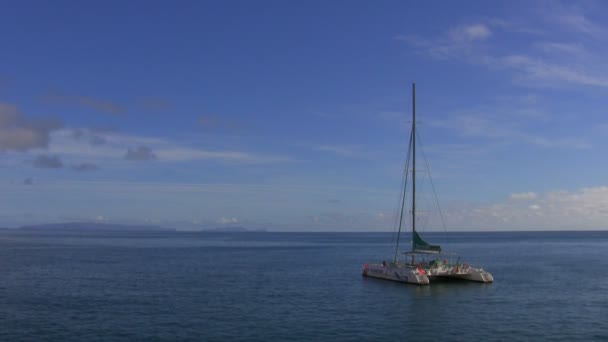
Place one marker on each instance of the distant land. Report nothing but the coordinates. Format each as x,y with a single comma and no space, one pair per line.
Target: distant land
94,226
233,229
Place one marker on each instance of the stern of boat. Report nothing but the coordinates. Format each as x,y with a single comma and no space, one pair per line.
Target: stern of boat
419,279
479,275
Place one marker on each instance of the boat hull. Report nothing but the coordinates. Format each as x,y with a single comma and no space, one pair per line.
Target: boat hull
468,274
402,274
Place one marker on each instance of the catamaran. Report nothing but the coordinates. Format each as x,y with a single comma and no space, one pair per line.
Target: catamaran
424,263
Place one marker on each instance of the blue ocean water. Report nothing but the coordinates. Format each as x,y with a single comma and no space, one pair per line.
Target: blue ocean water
61,286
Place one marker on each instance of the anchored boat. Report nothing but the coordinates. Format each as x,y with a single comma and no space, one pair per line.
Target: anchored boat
425,262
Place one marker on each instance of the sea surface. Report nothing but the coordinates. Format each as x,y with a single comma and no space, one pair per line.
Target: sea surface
218,286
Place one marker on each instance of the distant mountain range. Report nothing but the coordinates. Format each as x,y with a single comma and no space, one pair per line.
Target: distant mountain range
233,229
94,226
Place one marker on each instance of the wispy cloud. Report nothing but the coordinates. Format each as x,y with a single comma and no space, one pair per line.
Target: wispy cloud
469,32
83,167
20,133
349,151
216,122
141,153
155,104
115,144
575,20
47,162
500,126
97,104
92,136
551,74
457,42
186,154
571,50
601,128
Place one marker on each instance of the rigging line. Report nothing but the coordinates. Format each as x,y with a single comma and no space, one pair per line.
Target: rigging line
423,219
433,186
407,167
397,206
396,211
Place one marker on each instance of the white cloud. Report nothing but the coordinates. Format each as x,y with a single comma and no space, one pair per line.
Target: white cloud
229,220
470,32
381,217
523,196
115,145
101,218
586,208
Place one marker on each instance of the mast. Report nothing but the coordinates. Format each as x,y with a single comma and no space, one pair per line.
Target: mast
406,173
413,162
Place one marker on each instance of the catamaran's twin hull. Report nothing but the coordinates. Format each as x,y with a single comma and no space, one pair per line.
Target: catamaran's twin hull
395,273
470,274
413,275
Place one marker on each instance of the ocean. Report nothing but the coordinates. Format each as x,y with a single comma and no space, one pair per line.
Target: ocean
219,286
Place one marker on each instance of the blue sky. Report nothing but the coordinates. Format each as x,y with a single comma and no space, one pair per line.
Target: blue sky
294,115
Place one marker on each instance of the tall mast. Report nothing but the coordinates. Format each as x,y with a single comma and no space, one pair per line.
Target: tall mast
406,173
413,160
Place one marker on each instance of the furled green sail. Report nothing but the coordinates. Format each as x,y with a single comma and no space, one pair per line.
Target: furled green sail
423,246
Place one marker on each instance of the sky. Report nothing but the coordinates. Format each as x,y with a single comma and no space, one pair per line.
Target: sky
295,116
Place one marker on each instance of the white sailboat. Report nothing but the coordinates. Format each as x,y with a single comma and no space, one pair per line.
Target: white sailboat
425,262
